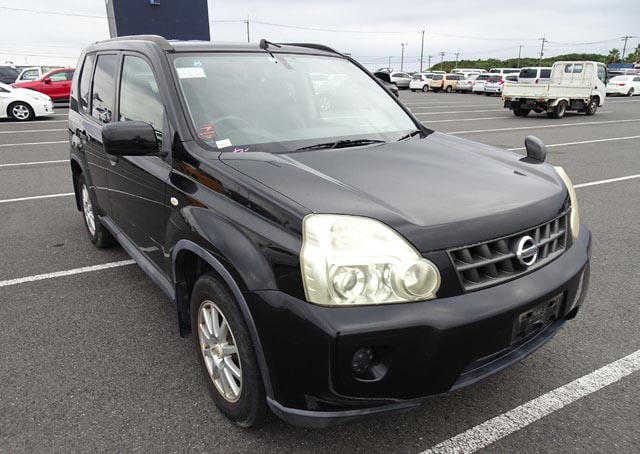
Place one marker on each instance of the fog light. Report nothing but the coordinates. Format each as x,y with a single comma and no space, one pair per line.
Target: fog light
362,360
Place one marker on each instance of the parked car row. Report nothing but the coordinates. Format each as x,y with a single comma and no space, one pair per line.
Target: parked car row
474,81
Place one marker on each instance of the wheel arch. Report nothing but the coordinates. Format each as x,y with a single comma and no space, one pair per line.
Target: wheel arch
189,261
76,171
21,101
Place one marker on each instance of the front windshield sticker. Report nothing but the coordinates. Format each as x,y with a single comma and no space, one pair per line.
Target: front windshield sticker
223,143
206,132
191,73
240,150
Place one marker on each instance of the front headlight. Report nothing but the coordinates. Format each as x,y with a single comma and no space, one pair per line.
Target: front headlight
575,214
347,260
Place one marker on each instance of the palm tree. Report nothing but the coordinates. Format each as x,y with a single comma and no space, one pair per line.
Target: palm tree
634,56
614,56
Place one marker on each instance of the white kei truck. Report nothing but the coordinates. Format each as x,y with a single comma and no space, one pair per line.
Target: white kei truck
574,85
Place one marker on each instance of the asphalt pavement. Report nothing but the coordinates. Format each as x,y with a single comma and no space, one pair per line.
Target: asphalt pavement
92,362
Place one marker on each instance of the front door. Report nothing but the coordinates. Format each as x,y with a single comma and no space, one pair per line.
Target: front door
60,85
137,183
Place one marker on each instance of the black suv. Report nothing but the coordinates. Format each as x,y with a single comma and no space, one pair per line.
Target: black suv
331,260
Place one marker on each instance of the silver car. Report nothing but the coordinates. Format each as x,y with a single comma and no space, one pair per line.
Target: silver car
466,84
400,79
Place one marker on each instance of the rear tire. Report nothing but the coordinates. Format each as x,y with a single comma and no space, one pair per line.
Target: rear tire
425,88
413,90
558,111
20,111
231,367
521,112
630,92
98,234
449,89
592,107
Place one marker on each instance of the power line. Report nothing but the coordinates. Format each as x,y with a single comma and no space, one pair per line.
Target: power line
55,13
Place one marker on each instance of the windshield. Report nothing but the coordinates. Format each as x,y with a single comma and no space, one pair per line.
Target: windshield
252,102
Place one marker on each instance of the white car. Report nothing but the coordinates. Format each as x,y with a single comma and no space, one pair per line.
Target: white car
22,104
478,84
624,85
534,75
466,84
420,81
34,72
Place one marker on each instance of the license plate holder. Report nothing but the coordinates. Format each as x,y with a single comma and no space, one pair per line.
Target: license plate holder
537,318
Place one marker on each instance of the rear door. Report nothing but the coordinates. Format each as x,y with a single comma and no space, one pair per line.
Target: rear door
137,183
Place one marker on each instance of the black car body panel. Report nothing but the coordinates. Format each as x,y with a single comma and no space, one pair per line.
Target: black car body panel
242,214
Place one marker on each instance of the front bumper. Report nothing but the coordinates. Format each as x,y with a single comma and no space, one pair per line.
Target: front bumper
42,108
422,349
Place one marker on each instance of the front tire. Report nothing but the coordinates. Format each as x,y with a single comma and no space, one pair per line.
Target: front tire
425,88
449,89
98,234
21,111
226,353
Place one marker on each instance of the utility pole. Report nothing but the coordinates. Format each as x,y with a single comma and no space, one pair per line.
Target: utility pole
429,64
624,49
389,62
441,59
422,51
519,54
402,57
248,35
543,39
457,53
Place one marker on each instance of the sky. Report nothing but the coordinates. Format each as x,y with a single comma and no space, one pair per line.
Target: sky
371,30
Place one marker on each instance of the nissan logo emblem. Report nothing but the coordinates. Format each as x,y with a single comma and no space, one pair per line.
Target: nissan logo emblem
527,251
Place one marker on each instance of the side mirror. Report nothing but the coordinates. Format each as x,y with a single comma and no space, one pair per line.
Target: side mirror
536,150
47,80
129,138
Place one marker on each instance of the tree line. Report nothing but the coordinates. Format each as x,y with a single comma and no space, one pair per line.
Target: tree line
612,57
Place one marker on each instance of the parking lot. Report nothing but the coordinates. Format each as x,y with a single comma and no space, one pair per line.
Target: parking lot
91,359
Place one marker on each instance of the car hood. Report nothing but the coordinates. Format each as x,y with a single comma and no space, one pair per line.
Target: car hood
439,192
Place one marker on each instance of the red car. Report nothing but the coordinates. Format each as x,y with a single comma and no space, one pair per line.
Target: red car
56,84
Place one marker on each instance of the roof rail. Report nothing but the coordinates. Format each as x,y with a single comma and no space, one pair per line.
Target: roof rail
159,40
314,46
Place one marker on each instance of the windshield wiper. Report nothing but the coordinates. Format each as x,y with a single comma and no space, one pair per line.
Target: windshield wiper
341,144
411,134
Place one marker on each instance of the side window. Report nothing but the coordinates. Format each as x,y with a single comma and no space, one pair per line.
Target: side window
636,79
58,77
68,75
32,74
104,90
602,74
545,73
140,98
85,82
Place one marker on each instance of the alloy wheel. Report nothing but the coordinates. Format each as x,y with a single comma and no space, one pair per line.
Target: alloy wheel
20,111
219,351
87,209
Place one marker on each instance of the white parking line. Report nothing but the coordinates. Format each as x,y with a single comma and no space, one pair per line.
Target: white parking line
428,122
610,180
580,143
557,125
428,106
495,429
33,163
32,143
458,111
37,197
86,269
32,130
32,122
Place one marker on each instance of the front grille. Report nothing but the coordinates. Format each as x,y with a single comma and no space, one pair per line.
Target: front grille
493,262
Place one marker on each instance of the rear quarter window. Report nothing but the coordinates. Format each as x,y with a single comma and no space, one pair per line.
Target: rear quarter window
529,73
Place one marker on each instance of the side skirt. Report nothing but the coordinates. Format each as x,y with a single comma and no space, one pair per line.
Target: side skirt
143,262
